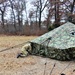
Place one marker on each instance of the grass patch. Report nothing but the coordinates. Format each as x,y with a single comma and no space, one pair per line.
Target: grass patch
8,41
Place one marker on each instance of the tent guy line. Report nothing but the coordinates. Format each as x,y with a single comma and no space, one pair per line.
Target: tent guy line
14,46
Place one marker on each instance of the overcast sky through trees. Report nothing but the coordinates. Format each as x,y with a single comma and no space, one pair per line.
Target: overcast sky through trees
29,7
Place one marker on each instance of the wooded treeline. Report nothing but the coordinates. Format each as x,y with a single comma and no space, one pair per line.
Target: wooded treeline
31,22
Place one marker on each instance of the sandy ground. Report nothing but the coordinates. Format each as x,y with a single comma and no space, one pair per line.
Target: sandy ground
32,65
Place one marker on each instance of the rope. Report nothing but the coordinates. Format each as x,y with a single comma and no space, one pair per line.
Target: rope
46,40
13,46
65,67
46,58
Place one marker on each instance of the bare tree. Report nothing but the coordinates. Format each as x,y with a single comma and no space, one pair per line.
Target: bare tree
25,8
71,11
40,6
49,15
13,14
41,9
19,10
57,17
30,16
3,9
36,4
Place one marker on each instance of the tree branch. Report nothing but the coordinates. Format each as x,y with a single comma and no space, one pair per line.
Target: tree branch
44,6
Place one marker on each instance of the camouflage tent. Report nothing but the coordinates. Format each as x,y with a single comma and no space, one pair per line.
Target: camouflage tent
57,44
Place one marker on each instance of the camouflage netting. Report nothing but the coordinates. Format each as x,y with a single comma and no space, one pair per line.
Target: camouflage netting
57,44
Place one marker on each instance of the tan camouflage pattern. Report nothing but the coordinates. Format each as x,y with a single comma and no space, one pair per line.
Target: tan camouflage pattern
25,49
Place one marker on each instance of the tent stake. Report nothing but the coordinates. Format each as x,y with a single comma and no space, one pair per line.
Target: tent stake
52,68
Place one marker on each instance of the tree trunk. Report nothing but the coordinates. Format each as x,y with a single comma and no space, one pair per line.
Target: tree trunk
57,17
13,15
48,20
14,22
40,14
3,21
72,9
20,23
39,20
3,27
36,15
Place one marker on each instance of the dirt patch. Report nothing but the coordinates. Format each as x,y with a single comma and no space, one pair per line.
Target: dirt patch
31,65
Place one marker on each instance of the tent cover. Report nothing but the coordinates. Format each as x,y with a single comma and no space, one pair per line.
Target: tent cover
57,44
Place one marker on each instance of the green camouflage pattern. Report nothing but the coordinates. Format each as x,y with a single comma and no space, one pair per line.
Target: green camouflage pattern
57,44
54,53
